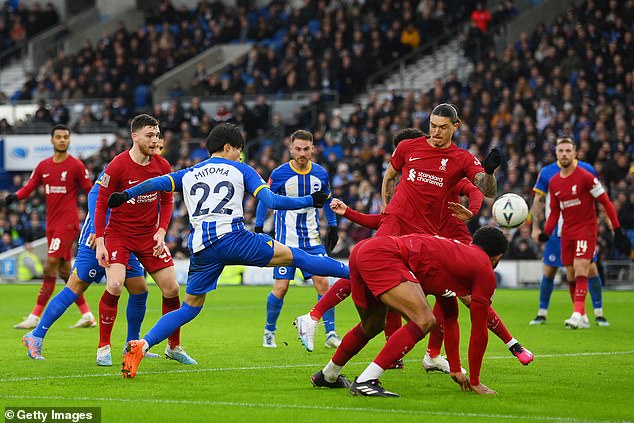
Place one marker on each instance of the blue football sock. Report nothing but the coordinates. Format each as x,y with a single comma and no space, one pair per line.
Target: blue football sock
170,322
55,309
135,312
545,292
318,265
594,286
328,318
273,309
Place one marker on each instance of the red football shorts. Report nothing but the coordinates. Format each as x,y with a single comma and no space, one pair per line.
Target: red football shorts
376,266
577,249
120,246
60,243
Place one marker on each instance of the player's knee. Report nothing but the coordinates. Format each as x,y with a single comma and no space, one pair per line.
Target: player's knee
426,321
115,287
170,291
280,291
372,327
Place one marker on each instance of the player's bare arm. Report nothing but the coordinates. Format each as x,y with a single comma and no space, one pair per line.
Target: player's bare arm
159,237
387,186
338,206
101,253
459,211
486,183
537,214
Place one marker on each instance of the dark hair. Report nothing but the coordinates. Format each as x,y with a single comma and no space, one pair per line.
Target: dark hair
406,134
141,121
447,110
59,128
491,240
225,133
300,134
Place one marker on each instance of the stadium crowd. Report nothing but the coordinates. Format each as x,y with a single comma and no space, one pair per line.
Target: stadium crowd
20,21
573,78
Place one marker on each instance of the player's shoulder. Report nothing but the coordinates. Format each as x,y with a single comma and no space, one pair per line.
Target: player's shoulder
319,170
120,159
282,169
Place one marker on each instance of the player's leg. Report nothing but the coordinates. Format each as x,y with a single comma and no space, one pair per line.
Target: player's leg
275,302
166,280
596,293
316,265
87,320
338,292
108,306
497,326
58,305
552,262
578,266
137,304
46,290
322,285
433,361
409,300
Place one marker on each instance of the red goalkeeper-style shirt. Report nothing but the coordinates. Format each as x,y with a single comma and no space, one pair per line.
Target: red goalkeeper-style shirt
448,269
139,215
61,183
428,174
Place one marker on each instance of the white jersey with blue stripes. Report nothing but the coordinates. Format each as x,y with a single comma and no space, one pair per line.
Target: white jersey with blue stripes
89,226
213,192
298,228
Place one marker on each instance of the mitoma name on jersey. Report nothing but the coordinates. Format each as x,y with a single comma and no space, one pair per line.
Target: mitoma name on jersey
54,189
206,171
415,176
143,198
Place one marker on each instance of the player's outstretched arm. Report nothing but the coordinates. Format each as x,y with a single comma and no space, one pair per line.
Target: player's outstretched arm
387,186
280,202
537,213
486,181
159,183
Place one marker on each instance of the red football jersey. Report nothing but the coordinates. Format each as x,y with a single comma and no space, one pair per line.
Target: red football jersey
61,185
573,196
447,268
427,176
139,215
452,227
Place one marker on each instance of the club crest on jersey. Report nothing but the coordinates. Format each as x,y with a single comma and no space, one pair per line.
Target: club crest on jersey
443,164
64,173
574,189
316,186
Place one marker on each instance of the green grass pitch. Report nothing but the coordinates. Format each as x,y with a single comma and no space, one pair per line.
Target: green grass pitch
583,375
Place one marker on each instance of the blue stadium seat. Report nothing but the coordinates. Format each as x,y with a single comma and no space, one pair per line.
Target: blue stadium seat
141,97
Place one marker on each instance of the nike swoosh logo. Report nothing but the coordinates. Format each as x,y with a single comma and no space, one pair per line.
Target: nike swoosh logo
411,159
45,175
44,327
106,323
133,182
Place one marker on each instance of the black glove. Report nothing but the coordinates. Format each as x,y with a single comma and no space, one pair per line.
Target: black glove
332,239
319,198
10,198
258,229
117,198
622,242
542,237
492,161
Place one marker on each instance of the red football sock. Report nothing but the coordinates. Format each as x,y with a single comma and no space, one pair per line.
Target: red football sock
393,322
46,290
351,344
571,290
399,344
82,304
580,294
495,325
171,304
338,292
107,316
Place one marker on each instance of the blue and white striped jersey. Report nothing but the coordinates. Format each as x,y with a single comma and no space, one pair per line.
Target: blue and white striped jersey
298,228
541,186
88,227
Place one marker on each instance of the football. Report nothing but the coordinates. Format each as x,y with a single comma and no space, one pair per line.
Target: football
510,210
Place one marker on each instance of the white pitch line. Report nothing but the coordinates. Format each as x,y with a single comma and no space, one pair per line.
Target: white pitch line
505,417
267,367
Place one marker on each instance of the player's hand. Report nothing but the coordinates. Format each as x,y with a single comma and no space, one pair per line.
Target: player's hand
459,211
333,238
622,242
542,237
10,198
482,389
90,242
492,161
258,229
338,206
535,234
461,380
102,253
319,198
117,198
159,247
